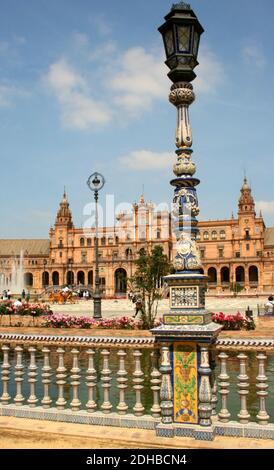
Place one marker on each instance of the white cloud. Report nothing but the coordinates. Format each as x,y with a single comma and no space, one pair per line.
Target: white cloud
267,207
129,83
253,55
103,52
210,72
147,160
79,109
141,79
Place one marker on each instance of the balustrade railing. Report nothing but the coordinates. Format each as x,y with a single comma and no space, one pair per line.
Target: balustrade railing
246,400
116,377
127,381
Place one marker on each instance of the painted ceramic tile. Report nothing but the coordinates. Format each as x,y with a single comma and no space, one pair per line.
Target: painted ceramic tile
183,319
185,383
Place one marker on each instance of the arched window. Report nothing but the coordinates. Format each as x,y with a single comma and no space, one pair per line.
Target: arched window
55,278
214,235
70,278
128,252
212,274
89,242
81,277
240,274
116,240
103,241
206,236
28,278
45,279
82,242
253,274
225,275
120,281
198,236
158,234
222,235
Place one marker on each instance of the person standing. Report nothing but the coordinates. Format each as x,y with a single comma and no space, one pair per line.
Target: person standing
269,306
9,294
23,294
138,307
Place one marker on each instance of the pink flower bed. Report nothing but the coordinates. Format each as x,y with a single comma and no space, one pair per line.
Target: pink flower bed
35,309
233,322
68,321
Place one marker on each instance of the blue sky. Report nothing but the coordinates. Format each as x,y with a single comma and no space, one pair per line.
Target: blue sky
83,88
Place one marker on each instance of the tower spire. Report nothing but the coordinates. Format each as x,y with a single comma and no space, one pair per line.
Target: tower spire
64,216
246,203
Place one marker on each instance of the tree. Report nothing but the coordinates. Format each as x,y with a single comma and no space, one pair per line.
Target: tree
146,282
235,287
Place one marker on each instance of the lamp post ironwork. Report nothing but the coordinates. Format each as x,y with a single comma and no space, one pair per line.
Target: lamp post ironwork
95,182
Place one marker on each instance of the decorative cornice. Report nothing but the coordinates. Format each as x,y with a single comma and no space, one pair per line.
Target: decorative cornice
231,343
111,341
126,341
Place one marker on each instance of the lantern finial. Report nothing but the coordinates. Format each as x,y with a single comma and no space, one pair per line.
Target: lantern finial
183,5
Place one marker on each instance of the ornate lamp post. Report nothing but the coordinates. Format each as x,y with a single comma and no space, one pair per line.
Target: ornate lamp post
69,278
181,34
187,332
96,182
44,275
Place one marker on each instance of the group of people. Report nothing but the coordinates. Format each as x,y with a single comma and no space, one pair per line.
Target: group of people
7,295
138,303
85,294
80,293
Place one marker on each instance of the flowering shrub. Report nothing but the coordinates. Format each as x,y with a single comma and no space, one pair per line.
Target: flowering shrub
35,310
6,308
68,321
233,322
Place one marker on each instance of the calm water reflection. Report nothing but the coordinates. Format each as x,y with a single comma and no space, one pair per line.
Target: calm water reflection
147,399
252,398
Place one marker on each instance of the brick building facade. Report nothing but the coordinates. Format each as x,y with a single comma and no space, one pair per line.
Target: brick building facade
236,253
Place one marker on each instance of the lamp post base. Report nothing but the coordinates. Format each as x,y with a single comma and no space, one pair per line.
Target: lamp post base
187,336
97,306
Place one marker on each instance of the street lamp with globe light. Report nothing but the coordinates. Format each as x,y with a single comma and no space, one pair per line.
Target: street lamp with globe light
96,182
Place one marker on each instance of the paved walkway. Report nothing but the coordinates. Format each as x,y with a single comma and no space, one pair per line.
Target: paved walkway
121,307
18,433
